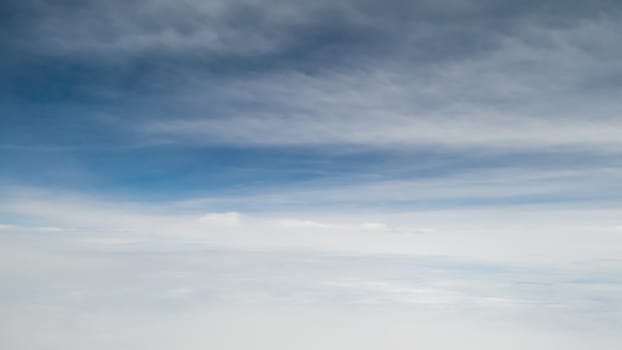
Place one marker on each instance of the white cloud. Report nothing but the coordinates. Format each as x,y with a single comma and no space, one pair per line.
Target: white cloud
523,234
286,328
467,130
222,219
283,282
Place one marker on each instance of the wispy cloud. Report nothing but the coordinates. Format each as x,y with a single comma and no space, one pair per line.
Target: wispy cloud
543,235
531,90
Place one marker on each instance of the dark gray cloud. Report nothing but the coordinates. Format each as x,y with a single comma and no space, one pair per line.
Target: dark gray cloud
363,72
137,44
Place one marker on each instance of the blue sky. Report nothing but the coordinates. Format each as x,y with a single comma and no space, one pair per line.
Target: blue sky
310,174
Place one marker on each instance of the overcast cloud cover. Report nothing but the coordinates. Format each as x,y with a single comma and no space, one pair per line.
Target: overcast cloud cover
310,174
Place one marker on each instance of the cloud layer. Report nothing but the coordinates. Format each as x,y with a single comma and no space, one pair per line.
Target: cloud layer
290,73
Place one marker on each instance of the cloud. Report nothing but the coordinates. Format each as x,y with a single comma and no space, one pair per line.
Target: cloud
150,297
499,186
284,328
249,74
222,219
526,235
293,174
191,30
534,89
470,132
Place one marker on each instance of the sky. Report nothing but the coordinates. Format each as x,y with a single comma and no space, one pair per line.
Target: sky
276,174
